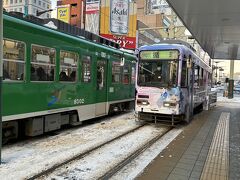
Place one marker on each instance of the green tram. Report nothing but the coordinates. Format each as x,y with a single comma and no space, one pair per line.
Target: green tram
51,78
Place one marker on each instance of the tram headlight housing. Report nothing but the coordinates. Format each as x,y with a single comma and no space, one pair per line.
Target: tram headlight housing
142,102
169,104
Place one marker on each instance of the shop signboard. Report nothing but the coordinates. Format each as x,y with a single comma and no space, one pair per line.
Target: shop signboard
119,16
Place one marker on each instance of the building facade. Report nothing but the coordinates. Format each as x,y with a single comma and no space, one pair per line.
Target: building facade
28,7
75,11
147,22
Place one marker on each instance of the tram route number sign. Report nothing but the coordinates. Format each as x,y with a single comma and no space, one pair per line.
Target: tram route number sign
163,54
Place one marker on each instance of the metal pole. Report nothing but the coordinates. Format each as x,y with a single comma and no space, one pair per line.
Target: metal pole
231,81
1,73
231,69
84,14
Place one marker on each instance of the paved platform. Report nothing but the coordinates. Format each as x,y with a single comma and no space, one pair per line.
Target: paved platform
208,148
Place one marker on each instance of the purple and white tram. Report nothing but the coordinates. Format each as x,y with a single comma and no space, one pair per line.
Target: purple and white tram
171,82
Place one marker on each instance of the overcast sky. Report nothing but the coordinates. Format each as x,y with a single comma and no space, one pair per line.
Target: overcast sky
54,2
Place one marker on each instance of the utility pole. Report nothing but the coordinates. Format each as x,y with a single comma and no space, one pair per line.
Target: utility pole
1,74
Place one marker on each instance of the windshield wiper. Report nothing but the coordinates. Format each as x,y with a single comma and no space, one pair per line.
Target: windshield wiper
147,70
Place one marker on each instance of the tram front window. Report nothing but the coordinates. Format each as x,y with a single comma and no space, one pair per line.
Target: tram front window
157,73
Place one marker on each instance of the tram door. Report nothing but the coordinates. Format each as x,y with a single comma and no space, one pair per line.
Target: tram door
101,91
191,90
190,84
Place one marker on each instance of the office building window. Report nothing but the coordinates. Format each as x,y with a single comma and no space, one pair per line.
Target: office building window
11,1
39,3
20,9
16,1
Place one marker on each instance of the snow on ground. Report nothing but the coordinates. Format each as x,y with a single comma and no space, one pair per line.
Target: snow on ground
95,164
136,167
235,99
22,160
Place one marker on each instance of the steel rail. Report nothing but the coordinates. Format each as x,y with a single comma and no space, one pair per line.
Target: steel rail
130,158
81,155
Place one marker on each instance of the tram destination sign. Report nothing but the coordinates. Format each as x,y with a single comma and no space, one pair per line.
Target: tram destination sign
163,54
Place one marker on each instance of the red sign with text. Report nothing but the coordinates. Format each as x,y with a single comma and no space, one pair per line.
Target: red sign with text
124,41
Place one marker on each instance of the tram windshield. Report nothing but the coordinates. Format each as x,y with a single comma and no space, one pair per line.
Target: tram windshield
157,72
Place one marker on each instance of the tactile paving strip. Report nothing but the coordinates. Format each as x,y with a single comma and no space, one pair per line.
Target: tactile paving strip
217,162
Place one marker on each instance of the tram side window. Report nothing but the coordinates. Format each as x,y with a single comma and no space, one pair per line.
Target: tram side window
196,75
43,63
68,66
126,74
201,80
133,78
13,60
116,72
86,69
184,74
100,75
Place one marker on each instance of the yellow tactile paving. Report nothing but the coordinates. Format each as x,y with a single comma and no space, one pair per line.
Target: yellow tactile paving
217,162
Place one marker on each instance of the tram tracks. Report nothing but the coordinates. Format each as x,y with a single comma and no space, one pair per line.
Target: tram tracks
135,154
80,155
64,169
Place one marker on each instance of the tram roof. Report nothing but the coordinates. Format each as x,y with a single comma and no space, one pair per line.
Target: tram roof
41,27
214,24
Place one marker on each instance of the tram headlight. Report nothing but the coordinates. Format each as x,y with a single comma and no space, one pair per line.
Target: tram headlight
142,102
169,104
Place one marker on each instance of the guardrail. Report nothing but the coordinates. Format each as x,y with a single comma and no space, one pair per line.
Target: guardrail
212,98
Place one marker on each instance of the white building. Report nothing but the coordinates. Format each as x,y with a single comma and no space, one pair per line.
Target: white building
31,5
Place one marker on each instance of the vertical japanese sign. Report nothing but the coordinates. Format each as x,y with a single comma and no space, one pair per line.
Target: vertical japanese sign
119,16
118,22
92,16
63,13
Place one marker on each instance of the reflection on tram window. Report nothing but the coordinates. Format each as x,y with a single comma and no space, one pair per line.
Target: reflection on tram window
126,74
100,75
43,63
116,72
86,69
13,60
68,66
133,75
158,73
